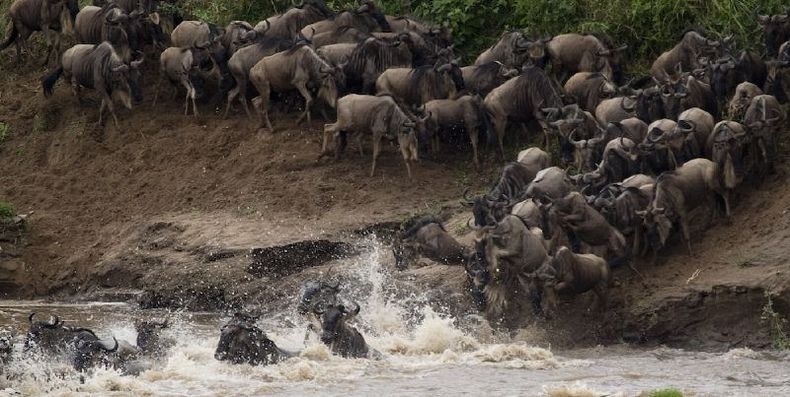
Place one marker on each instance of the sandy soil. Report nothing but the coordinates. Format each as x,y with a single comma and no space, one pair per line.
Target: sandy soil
166,209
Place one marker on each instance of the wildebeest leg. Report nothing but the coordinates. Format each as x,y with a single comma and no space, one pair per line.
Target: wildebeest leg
156,88
600,293
190,94
101,111
500,123
329,130
376,151
359,145
263,106
473,139
686,234
308,102
232,94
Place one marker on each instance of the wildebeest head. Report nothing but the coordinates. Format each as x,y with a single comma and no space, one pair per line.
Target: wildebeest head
778,70
775,31
586,150
42,332
317,296
329,84
242,342
723,76
6,347
486,211
564,121
477,271
699,44
333,319
672,93
646,104
657,226
149,338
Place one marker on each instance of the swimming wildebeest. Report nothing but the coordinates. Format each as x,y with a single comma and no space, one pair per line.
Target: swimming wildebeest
100,68
242,342
79,345
342,338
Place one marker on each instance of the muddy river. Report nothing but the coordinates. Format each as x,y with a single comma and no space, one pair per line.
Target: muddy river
425,352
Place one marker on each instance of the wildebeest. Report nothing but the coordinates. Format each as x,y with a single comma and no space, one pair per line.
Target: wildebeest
727,146
764,118
616,165
28,16
552,182
232,38
242,342
149,337
371,58
464,113
416,86
597,236
654,154
244,59
726,73
588,89
520,100
511,252
744,93
620,209
776,30
100,68
337,55
427,237
379,116
288,24
342,338
366,18
512,49
572,124
295,69
6,349
688,140
534,158
685,55
676,194
632,128
315,298
481,79
178,65
79,345
574,273
572,53
94,25
778,81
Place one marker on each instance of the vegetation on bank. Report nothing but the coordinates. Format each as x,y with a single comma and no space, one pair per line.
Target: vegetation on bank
648,27
776,324
666,393
6,210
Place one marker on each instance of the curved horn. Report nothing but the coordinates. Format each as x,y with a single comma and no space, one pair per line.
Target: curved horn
120,68
268,25
658,136
103,345
30,317
54,321
627,109
353,312
573,141
691,124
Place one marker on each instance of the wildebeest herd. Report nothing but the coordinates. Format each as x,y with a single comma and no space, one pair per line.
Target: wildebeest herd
647,152
241,341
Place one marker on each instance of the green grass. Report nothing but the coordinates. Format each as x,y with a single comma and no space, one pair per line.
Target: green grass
5,131
6,210
666,393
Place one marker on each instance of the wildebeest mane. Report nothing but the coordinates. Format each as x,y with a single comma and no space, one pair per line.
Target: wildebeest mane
534,90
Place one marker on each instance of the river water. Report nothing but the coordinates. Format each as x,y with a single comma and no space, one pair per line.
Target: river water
424,353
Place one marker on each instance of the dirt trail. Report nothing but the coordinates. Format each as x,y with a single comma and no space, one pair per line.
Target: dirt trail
167,209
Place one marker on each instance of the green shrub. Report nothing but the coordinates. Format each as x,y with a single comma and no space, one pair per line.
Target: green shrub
6,210
4,131
776,324
666,393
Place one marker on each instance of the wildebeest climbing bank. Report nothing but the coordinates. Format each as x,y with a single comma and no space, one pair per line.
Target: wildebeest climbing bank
352,184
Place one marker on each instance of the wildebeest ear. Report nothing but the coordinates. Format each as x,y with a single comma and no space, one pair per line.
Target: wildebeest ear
763,19
154,17
641,213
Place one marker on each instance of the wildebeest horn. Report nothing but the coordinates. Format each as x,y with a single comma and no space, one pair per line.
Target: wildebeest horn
30,317
353,312
467,200
103,345
657,136
603,53
690,124
268,25
574,142
621,48
136,64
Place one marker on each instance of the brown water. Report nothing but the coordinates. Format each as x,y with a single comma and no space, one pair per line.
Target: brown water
425,353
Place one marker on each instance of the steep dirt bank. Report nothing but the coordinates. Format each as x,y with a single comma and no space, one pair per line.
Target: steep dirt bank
167,210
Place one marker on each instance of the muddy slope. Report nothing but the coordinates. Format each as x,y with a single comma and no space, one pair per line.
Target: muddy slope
178,212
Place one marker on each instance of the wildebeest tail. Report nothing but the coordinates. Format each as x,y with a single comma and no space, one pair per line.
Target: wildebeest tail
74,9
48,82
13,33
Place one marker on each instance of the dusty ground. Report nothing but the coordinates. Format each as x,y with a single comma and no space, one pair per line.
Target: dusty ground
166,210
